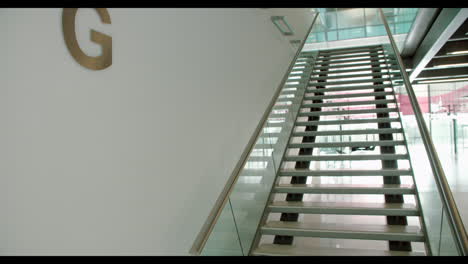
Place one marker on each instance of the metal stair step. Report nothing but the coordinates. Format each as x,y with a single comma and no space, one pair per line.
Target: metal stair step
306,60
343,231
303,74
353,48
347,122
344,208
294,78
301,67
343,157
347,132
354,65
294,250
355,53
349,82
298,85
345,188
332,61
338,57
347,76
295,93
344,172
374,68
302,64
294,100
349,88
332,52
369,102
347,144
349,112
337,96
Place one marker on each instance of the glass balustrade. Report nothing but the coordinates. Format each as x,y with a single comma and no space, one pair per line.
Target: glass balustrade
235,229
439,230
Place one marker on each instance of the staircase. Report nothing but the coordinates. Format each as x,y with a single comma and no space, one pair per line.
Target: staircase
345,185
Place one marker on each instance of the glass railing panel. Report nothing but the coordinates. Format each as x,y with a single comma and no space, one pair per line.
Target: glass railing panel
224,239
430,201
250,193
248,205
447,245
434,213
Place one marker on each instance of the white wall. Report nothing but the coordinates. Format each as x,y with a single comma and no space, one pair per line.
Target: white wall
130,159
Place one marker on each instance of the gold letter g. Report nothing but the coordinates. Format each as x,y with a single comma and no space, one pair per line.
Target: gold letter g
93,63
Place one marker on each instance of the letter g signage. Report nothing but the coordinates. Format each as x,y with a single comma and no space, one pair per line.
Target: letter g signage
94,63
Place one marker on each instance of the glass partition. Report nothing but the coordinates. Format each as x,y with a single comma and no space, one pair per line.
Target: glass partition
435,220
235,229
439,230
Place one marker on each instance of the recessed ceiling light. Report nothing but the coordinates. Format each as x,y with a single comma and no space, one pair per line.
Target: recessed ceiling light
458,52
451,65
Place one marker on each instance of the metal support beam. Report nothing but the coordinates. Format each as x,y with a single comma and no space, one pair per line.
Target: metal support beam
421,25
443,72
448,21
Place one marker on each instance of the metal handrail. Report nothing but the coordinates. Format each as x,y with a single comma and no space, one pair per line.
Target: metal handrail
207,228
455,220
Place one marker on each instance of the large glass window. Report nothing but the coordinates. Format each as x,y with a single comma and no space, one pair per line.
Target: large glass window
350,17
352,23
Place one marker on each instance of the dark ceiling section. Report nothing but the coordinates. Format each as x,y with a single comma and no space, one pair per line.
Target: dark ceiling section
460,34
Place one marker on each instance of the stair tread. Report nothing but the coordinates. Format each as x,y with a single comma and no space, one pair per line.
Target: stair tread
348,112
326,62
346,57
349,95
382,69
350,143
346,188
348,88
349,121
328,53
347,144
345,205
348,82
354,65
349,103
344,172
344,157
348,76
350,131
273,249
344,208
358,228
